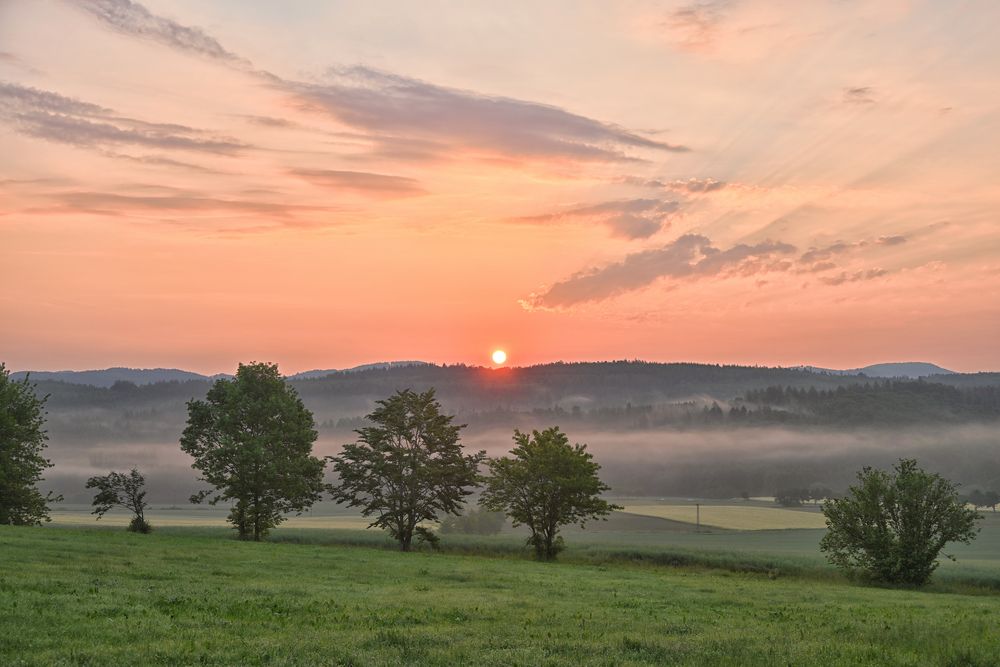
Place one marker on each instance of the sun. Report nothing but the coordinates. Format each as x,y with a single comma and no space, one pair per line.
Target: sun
499,357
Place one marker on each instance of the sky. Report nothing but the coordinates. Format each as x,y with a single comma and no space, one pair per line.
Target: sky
194,184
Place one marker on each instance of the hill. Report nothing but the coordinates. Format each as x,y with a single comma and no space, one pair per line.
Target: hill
904,369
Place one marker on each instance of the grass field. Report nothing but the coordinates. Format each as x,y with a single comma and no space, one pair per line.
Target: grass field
73,596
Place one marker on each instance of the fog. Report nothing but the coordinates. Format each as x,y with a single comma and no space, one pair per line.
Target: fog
720,463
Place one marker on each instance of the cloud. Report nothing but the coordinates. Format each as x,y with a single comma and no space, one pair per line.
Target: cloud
133,19
105,203
691,185
397,111
816,254
360,181
388,105
695,27
53,117
845,277
891,240
862,95
629,218
690,257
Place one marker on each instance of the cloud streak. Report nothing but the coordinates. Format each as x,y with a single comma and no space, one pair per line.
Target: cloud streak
131,18
379,185
690,257
629,218
54,117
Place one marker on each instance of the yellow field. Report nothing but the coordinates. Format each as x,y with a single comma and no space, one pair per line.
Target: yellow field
733,517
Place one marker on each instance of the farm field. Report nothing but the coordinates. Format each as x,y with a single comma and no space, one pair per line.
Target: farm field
732,517
74,596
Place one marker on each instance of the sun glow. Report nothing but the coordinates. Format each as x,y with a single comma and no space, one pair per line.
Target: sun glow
499,357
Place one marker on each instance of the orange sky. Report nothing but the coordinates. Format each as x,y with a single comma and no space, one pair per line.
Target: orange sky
193,184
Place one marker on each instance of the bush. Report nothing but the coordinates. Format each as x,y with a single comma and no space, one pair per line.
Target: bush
893,525
139,525
474,522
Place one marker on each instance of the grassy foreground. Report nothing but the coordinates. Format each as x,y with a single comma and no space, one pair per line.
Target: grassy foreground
72,596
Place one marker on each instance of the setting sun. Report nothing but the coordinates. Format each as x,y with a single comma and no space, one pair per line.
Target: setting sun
499,357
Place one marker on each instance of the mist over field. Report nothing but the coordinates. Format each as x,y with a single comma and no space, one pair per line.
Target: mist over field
664,462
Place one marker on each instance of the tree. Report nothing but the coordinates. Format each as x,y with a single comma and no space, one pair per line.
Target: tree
892,525
251,439
122,490
408,467
22,443
546,484
791,497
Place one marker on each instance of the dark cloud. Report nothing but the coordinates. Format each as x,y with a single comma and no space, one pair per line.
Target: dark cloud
863,95
690,257
54,117
133,19
891,240
360,181
845,277
389,105
629,218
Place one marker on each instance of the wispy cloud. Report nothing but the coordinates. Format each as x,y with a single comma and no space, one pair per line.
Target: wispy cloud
629,218
853,277
695,27
690,257
861,95
381,185
54,117
133,19
691,185
388,105
106,203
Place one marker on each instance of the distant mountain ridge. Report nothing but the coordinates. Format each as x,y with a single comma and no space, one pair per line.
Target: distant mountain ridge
107,377
902,369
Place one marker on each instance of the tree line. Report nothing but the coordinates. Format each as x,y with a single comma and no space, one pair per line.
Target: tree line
251,440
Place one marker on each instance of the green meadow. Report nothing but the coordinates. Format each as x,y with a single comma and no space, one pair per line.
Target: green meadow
634,590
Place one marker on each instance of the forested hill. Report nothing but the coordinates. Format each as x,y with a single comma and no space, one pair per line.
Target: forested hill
608,394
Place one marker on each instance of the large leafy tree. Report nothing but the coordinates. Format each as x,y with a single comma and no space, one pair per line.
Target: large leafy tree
125,490
251,439
893,525
22,443
547,483
407,467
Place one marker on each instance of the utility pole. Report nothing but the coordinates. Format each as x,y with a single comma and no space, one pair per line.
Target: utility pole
697,514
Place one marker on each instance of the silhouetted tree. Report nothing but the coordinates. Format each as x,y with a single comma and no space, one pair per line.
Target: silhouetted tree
22,441
546,484
406,468
122,490
252,440
893,525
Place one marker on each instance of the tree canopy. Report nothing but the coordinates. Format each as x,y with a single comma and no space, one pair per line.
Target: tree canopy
407,467
546,484
22,443
893,525
126,490
252,440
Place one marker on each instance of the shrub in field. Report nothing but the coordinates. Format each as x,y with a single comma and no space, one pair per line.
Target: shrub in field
547,483
122,490
251,439
893,525
22,441
407,468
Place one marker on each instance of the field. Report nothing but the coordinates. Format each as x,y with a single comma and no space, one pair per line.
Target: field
73,596
733,517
